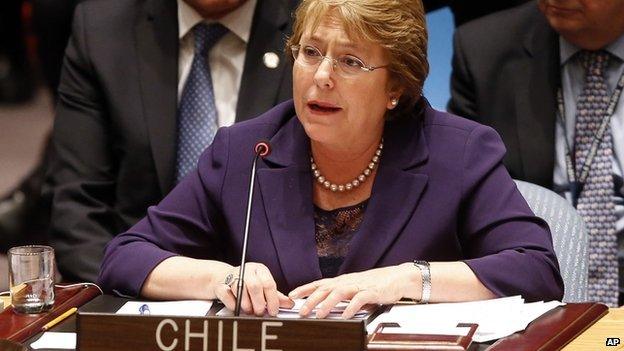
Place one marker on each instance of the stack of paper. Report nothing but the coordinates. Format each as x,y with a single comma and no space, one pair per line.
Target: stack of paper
496,318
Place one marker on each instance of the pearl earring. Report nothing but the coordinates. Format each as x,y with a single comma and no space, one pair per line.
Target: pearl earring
394,102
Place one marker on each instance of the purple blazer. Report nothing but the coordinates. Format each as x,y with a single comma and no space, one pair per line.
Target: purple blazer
441,194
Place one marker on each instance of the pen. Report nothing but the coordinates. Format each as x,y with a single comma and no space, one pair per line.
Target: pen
59,319
144,309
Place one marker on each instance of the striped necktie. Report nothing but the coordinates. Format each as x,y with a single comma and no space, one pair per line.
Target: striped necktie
197,112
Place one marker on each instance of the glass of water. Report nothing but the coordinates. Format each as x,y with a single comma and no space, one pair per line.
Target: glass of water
31,278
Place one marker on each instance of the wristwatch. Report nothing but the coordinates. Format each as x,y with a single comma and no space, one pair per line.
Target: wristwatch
425,273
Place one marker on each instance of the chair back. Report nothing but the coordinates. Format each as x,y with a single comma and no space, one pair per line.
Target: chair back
569,236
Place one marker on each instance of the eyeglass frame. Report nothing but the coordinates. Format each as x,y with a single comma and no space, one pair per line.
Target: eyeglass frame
334,61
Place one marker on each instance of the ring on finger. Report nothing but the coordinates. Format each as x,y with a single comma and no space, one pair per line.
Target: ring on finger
230,279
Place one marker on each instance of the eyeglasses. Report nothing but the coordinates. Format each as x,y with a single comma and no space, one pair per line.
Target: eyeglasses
347,66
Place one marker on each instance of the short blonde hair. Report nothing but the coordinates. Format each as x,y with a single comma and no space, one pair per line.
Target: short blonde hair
397,25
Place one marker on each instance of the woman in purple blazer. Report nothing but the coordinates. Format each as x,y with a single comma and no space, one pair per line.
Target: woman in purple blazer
369,195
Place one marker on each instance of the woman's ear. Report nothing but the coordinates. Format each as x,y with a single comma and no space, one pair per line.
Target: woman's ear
393,102
394,97
395,90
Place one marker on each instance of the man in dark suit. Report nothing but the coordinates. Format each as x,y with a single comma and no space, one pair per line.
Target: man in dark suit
119,136
508,70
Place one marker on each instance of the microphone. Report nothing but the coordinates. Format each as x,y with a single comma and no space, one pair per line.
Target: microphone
261,149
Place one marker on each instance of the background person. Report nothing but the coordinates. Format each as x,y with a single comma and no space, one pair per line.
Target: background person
144,86
511,82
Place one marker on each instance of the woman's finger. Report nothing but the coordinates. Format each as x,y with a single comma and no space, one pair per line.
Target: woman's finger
315,298
306,289
269,289
285,301
225,295
337,295
358,301
245,301
256,292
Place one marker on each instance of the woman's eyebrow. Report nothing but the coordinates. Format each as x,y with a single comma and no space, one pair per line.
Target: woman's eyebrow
343,44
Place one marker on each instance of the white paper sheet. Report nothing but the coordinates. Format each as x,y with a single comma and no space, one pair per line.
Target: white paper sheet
192,308
496,318
53,340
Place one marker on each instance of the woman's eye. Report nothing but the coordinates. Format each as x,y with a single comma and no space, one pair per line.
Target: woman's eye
351,61
310,51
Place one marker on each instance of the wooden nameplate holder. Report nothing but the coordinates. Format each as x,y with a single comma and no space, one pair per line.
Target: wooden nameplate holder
106,331
417,342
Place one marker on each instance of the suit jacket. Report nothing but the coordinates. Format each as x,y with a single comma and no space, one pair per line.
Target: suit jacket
505,75
465,11
115,130
440,193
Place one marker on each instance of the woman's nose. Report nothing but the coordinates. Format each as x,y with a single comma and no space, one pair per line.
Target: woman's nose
324,73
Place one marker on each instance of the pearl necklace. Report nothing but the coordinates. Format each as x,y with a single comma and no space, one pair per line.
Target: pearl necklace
352,184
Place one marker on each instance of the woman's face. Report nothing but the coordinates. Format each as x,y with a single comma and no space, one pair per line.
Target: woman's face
336,108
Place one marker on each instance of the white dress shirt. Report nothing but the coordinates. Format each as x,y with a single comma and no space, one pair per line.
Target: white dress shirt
226,58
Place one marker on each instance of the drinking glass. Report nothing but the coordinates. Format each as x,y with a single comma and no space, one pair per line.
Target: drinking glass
31,278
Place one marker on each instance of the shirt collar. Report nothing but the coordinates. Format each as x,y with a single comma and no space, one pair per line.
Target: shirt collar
237,21
568,50
617,48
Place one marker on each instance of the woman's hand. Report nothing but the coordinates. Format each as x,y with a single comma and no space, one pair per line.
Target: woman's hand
376,286
259,292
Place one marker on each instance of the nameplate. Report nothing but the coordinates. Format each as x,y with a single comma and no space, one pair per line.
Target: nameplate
105,331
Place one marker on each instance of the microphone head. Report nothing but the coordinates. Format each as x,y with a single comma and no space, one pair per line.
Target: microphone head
262,148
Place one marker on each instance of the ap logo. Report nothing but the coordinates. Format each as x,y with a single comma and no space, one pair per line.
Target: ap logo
612,342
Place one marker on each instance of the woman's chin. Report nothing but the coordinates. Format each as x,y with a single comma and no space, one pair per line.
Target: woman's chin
320,133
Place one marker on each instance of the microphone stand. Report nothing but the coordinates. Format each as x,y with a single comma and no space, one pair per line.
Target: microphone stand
261,149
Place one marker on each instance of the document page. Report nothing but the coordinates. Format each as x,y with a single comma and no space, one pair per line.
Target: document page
53,340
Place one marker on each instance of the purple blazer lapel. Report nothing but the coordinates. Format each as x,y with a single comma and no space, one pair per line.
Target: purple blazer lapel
286,190
396,191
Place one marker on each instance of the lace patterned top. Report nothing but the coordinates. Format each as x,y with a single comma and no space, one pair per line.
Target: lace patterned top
333,232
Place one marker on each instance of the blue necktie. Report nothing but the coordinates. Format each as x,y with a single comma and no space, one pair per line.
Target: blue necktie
197,113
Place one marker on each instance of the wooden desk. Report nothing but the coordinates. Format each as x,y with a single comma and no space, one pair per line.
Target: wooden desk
610,325
594,338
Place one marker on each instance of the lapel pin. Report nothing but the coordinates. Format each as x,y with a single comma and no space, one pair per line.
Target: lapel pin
271,60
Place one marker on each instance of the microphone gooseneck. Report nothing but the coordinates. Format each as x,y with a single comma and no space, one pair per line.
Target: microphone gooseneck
261,149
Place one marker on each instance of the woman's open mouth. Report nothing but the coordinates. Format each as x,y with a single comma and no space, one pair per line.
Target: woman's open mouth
323,107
